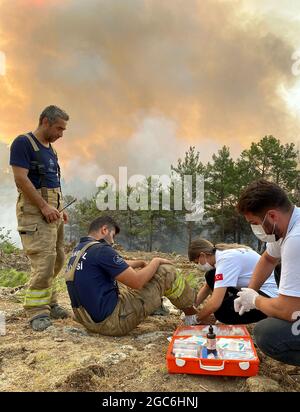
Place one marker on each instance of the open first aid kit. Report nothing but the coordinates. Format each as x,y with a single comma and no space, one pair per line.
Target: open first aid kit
212,350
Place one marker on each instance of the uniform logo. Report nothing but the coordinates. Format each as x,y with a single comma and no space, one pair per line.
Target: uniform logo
79,266
51,168
118,260
219,276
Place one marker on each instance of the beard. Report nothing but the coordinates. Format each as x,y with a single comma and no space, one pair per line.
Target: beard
277,234
273,229
109,240
51,139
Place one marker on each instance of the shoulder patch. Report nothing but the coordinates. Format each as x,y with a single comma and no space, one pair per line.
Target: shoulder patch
118,260
219,276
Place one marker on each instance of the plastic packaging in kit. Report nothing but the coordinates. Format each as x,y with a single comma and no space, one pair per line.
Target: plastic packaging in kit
231,355
188,347
187,353
190,341
226,348
236,355
219,330
235,345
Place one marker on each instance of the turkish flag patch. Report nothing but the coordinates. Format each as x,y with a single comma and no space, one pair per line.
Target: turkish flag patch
218,277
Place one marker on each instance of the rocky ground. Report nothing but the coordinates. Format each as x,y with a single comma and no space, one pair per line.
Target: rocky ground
67,358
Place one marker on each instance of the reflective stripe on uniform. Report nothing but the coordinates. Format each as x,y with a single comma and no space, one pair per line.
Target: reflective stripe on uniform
42,293
177,287
37,297
39,302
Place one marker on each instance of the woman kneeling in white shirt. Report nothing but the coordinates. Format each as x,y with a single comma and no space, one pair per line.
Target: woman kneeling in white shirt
228,268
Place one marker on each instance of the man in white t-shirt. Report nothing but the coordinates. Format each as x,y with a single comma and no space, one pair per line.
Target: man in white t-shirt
276,221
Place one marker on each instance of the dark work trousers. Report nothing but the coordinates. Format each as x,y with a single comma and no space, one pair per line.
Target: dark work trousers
279,339
226,313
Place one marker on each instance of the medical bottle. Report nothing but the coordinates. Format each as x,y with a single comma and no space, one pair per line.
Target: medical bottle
211,342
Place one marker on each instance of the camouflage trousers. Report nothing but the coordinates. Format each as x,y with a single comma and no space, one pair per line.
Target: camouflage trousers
135,305
43,243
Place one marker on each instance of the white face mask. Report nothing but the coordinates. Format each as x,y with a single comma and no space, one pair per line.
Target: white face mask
206,267
261,234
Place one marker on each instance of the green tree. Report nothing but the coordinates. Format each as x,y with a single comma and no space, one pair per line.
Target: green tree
189,166
269,159
220,190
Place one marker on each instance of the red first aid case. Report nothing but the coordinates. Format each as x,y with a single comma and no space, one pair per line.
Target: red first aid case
244,361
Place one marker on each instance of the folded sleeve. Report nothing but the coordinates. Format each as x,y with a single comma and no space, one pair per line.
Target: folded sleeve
290,267
274,249
227,273
20,153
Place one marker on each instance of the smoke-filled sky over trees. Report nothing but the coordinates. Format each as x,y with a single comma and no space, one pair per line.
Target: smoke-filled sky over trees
164,73
144,79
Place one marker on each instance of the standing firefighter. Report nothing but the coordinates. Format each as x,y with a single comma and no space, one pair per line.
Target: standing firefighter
107,295
40,224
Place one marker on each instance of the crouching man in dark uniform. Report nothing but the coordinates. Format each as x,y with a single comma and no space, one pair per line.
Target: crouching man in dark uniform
107,295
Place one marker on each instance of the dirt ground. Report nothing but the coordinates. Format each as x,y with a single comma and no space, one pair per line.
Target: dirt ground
67,358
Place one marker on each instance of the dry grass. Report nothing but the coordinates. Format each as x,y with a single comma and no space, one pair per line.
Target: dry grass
58,360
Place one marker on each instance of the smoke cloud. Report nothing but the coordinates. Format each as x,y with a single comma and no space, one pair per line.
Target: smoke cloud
142,80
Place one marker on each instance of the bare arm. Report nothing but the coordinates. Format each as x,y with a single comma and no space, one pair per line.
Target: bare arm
202,294
136,280
213,304
262,271
135,264
24,184
283,307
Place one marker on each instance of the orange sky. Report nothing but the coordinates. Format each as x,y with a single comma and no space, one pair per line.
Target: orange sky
143,79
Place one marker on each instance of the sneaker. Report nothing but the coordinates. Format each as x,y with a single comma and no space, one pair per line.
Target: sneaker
58,312
41,323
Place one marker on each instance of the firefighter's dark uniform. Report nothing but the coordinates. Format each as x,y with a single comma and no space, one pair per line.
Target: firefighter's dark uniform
42,242
108,307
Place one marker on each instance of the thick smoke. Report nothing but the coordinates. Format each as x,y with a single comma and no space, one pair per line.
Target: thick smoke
142,80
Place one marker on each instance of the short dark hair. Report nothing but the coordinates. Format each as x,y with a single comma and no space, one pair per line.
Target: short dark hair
261,196
101,221
52,113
